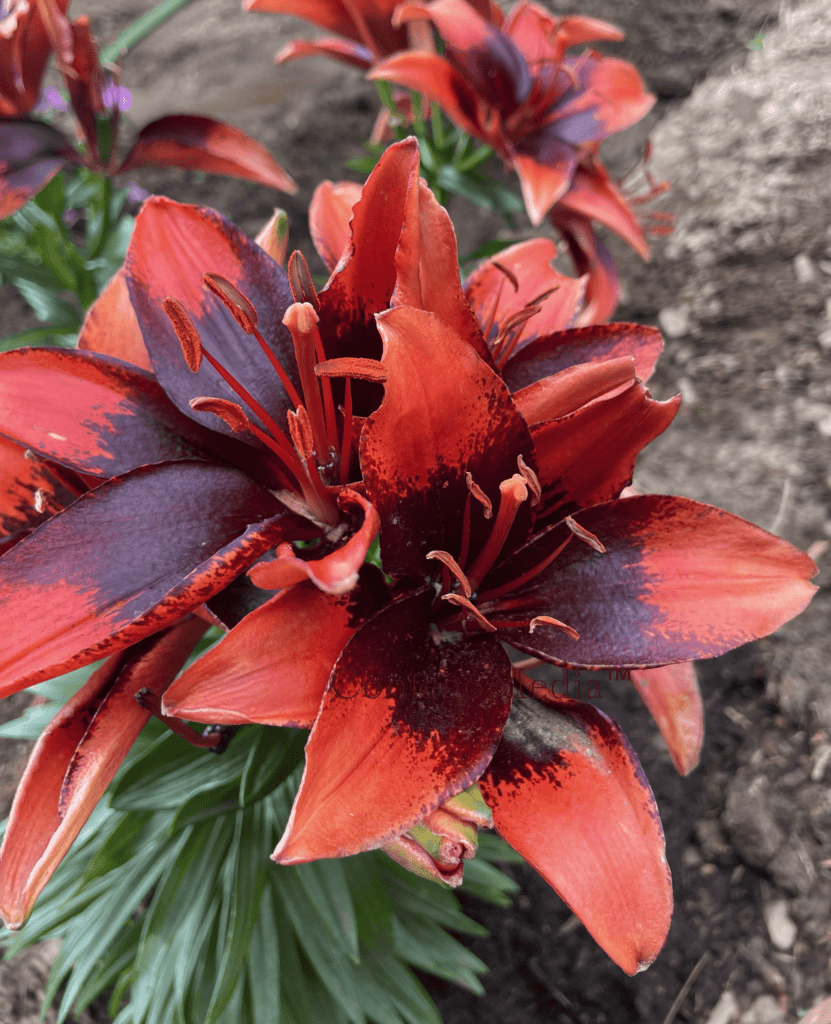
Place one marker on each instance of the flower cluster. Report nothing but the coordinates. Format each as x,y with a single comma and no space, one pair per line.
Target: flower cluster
32,151
243,433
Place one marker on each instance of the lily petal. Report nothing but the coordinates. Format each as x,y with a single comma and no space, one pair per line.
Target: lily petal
409,719
172,246
125,560
24,53
569,390
76,758
330,215
31,154
466,424
595,344
566,789
595,196
589,456
30,493
274,666
545,165
619,87
355,54
338,17
673,698
102,417
111,327
204,144
678,581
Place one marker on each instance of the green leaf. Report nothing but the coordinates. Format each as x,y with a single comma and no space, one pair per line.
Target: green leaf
486,250
49,307
369,898
273,757
488,883
263,962
426,945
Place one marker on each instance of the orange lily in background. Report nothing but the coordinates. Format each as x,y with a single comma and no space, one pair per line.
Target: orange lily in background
32,151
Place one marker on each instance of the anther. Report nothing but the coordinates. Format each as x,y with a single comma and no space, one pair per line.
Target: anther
354,367
230,412
532,480
463,602
549,621
584,535
301,433
479,495
448,560
300,280
186,332
234,301
508,273
512,494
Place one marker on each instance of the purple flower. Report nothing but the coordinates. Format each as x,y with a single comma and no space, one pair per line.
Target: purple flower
51,101
116,96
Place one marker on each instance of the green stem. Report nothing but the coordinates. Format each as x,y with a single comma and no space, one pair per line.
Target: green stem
140,28
437,124
105,199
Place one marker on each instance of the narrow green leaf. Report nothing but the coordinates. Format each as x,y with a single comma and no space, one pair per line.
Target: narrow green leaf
426,945
274,756
263,963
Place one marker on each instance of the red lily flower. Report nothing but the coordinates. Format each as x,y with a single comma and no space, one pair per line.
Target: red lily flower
367,28
24,52
32,152
415,706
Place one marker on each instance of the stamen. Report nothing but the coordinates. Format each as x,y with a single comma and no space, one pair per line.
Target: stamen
300,281
301,319
152,702
346,443
186,332
479,495
509,275
549,621
512,494
233,300
230,412
463,602
504,347
520,581
531,478
352,366
584,535
317,496
450,562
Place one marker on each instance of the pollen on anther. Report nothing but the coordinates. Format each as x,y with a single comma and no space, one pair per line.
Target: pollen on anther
479,495
234,301
230,412
186,332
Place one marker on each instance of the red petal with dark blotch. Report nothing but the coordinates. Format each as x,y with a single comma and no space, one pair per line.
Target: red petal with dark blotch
492,295
204,144
173,245
678,581
588,456
445,413
619,88
435,78
595,196
568,793
427,260
336,573
545,166
337,17
24,53
595,344
31,154
92,413
354,54
111,328
485,57
410,718
125,560
30,493
330,214
673,698
569,390
543,38
74,761
274,666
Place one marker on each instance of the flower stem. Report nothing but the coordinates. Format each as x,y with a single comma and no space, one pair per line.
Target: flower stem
140,28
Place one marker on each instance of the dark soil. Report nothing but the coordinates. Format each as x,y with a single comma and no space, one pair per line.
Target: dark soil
751,827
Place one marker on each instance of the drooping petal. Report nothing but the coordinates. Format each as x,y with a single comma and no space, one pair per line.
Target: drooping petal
588,456
568,793
376,15
111,327
335,573
204,144
569,390
678,581
172,246
274,666
330,214
97,415
76,758
31,154
30,493
673,698
125,560
427,262
433,428
541,37
619,88
495,300
355,54
410,718
484,56
595,344
435,78
595,196
545,166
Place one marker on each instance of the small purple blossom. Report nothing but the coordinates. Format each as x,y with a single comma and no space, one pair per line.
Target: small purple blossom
135,193
51,101
116,96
